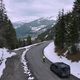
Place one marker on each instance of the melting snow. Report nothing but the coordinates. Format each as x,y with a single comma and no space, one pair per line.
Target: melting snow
25,66
50,54
26,69
4,54
38,28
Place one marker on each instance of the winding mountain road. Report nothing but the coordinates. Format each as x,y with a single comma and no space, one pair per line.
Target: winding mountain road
40,69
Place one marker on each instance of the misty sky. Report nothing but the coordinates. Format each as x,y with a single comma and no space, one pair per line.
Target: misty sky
20,10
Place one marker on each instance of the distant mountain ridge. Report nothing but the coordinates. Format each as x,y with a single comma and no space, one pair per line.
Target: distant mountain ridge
34,28
17,24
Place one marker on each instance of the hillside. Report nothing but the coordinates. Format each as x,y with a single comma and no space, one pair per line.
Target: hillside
35,27
47,35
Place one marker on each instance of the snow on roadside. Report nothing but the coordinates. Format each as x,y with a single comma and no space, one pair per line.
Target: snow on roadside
4,54
29,46
50,54
24,62
25,66
26,69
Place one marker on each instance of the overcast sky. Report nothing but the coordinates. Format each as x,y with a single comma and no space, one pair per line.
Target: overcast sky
20,10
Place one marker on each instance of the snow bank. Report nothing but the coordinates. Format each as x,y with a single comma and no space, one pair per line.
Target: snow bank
26,69
4,54
29,46
50,54
25,66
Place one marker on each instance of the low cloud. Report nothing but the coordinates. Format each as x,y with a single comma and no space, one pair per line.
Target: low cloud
25,9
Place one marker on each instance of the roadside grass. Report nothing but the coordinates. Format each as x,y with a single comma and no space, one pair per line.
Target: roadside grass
60,52
72,57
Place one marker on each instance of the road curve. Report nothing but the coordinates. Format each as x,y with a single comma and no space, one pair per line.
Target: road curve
40,69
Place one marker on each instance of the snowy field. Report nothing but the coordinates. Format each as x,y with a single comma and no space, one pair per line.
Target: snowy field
50,54
4,54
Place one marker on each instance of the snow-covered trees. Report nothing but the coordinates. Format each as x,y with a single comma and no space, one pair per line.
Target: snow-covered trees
71,34
68,28
60,31
76,12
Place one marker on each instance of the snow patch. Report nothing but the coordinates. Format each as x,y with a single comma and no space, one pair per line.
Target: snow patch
26,69
50,18
23,60
46,36
37,28
28,46
47,18
4,54
50,54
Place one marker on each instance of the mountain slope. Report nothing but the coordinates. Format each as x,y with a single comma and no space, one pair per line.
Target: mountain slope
34,28
47,35
17,24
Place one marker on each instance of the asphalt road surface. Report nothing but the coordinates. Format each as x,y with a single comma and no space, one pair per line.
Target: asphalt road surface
40,69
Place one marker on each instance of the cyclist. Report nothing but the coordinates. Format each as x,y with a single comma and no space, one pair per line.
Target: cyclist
44,58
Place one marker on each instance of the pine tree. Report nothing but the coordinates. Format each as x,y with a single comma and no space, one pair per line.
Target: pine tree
71,30
7,32
29,42
60,31
10,35
76,12
67,29
2,31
